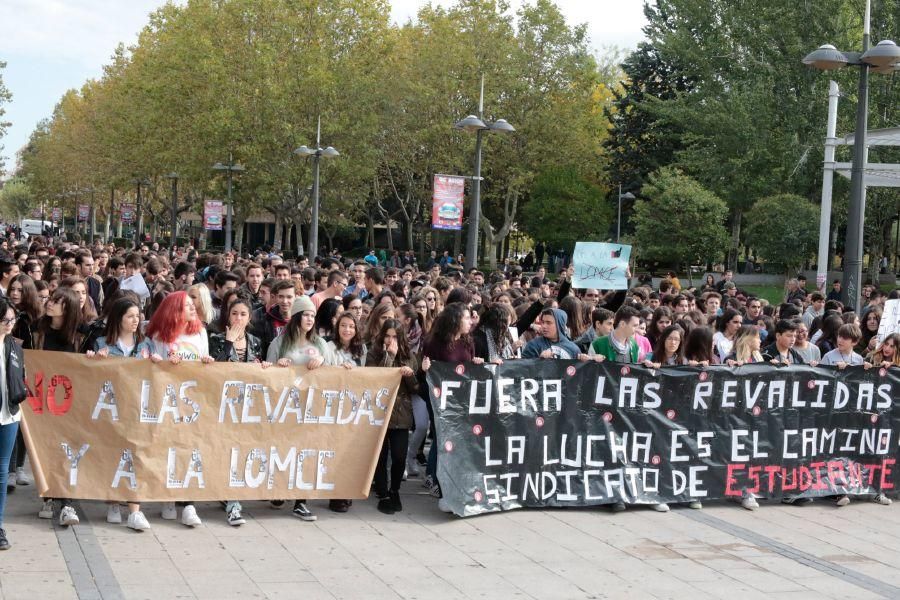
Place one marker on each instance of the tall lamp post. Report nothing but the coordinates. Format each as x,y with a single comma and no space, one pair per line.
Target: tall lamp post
230,167
882,58
477,124
625,196
316,153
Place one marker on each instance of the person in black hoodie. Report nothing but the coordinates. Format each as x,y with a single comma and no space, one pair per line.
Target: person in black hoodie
12,393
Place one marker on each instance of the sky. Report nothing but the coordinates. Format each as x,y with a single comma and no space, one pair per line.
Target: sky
51,46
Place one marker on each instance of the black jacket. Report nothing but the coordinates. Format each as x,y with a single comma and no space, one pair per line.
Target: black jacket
770,353
223,351
15,374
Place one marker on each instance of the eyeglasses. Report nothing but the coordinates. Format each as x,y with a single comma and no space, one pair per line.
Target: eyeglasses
8,321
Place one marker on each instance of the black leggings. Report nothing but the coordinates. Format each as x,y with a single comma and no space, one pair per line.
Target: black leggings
396,441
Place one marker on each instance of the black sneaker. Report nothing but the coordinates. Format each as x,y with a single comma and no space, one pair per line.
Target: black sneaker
4,543
395,501
276,503
301,512
339,506
386,506
420,458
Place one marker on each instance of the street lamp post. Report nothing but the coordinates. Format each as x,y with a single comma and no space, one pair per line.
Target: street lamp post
883,58
478,125
316,153
625,196
230,167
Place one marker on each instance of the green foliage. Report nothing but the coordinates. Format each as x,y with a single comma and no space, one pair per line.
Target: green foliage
566,208
784,229
679,220
16,199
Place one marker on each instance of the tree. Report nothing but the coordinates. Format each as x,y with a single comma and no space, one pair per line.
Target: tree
5,96
16,199
784,229
566,208
679,219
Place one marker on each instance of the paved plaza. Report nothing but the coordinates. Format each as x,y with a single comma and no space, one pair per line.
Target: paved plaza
815,551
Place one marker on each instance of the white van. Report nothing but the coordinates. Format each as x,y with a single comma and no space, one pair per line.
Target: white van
35,226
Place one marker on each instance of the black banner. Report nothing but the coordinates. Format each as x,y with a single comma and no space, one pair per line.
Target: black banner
536,433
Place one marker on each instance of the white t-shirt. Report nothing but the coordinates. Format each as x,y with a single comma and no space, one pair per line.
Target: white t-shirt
188,347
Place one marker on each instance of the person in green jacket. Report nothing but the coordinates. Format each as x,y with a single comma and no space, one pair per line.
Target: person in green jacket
619,345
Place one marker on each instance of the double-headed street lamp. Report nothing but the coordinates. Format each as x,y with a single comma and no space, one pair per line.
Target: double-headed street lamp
625,196
477,125
316,153
882,58
230,167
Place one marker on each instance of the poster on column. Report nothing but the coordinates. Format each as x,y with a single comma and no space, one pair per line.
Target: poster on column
552,433
128,429
212,215
601,266
84,210
127,212
890,320
56,214
447,202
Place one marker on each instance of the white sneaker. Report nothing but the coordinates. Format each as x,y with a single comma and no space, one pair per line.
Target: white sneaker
412,467
750,503
405,475
22,477
661,507
189,516
68,516
46,509
843,501
444,506
114,514
169,512
882,499
138,521
696,505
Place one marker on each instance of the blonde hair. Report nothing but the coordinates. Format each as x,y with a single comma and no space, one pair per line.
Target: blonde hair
742,351
205,310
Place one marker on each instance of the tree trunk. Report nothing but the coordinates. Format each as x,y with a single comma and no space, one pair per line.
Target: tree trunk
276,243
390,236
239,234
409,235
370,231
300,242
734,251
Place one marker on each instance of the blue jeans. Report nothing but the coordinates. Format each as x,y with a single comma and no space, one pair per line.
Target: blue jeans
7,443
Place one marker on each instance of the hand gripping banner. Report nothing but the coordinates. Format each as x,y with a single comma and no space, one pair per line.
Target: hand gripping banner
539,433
128,429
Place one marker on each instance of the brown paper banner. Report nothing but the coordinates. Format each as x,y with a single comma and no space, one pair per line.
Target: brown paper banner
128,429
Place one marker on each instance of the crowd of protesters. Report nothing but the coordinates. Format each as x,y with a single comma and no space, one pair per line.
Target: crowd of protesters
178,304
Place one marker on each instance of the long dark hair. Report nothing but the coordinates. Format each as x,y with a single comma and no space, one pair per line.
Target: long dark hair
114,320
727,315
325,317
574,309
660,354
30,304
447,324
68,299
292,334
494,323
377,352
355,348
698,345
653,330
